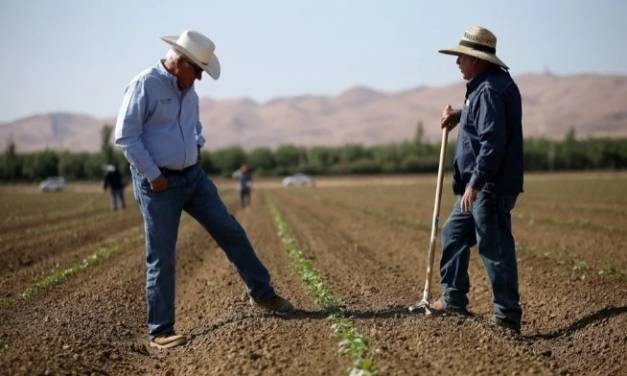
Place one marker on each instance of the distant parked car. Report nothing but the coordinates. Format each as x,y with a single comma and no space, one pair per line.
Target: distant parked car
53,184
298,179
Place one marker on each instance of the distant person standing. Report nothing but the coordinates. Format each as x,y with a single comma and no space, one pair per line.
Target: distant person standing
245,176
113,181
159,131
488,176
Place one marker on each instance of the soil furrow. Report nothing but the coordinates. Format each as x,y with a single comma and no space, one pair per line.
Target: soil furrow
366,237
379,298
231,337
536,289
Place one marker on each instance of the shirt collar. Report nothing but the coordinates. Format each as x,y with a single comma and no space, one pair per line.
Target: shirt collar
167,76
478,79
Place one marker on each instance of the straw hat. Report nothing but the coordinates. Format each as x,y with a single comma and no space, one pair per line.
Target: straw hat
478,42
198,48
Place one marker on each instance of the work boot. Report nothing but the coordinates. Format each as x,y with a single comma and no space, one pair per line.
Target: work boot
168,341
440,306
513,326
275,304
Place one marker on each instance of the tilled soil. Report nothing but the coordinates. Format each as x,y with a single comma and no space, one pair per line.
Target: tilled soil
94,323
575,319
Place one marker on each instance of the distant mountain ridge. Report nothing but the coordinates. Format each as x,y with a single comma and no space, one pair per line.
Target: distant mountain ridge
592,104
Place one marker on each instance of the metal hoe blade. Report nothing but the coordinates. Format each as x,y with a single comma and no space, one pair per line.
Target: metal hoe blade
422,306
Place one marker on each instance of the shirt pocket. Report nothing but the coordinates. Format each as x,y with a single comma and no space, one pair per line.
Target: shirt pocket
166,110
467,119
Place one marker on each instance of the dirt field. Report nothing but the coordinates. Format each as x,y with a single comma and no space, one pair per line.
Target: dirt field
72,284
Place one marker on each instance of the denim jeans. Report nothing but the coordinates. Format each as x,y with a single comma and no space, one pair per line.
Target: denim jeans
489,226
244,197
195,193
117,195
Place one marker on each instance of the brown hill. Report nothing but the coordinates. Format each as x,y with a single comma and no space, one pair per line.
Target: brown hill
594,105
59,131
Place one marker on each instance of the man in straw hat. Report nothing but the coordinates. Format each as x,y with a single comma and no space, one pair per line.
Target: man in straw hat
159,131
488,176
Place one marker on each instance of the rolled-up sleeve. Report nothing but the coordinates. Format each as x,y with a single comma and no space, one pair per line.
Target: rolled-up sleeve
129,128
491,127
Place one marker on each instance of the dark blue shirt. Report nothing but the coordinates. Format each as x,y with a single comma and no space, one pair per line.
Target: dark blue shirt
489,151
113,179
245,181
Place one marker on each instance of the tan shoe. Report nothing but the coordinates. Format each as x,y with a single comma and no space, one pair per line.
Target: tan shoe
440,306
168,341
276,304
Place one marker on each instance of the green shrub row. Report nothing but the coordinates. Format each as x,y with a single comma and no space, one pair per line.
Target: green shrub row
406,157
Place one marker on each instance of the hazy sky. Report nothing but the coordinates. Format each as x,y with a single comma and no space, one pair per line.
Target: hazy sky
76,55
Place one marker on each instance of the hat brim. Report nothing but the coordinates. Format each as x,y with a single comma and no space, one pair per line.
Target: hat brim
463,50
212,68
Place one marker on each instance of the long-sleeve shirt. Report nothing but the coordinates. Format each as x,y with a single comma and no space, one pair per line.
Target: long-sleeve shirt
158,124
489,151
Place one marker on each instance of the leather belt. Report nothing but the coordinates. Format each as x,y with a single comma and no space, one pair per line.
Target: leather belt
167,171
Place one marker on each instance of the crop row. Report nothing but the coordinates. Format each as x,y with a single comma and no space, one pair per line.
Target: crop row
576,263
97,257
351,341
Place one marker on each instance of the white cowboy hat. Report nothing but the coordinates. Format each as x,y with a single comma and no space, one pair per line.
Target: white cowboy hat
198,48
478,42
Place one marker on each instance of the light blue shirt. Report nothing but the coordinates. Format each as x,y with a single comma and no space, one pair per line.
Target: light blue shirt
158,124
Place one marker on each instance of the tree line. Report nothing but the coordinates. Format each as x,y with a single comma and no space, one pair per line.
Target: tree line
415,156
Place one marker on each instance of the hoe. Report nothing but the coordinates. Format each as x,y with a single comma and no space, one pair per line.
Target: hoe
423,304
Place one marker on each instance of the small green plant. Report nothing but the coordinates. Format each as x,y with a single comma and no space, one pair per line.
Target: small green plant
6,302
62,275
3,345
351,342
581,266
611,271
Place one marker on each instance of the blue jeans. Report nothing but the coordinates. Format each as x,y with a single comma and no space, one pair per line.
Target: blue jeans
489,226
117,195
244,197
193,192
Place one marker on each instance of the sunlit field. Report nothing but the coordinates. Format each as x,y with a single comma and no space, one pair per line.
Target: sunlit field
349,252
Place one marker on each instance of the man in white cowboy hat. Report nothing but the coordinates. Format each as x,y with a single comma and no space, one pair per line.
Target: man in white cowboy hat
159,131
488,176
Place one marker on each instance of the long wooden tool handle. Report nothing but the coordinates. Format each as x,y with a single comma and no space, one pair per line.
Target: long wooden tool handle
436,214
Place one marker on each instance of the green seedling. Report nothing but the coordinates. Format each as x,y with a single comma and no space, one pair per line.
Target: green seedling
351,342
581,266
611,271
62,275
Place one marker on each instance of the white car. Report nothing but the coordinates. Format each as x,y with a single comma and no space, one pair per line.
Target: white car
298,179
53,184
